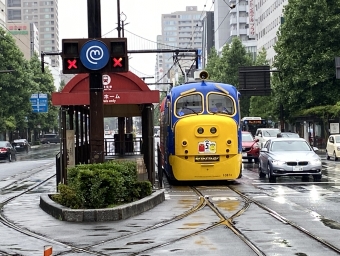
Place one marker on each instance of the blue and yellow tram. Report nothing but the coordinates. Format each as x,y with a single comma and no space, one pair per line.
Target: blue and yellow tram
200,132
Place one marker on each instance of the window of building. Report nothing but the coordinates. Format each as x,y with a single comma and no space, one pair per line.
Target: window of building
13,3
14,14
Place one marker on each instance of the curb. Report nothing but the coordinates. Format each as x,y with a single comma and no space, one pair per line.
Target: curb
97,215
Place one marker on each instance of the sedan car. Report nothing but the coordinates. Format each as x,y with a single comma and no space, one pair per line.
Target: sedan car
7,152
289,157
250,148
21,145
333,147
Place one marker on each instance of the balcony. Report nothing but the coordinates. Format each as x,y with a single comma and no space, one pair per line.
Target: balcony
243,19
233,21
242,8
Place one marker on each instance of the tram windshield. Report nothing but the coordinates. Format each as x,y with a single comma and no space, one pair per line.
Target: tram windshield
220,103
189,104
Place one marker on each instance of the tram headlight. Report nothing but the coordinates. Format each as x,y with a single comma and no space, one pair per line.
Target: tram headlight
200,130
228,142
213,130
184,143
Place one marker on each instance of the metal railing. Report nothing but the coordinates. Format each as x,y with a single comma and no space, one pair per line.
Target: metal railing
114,147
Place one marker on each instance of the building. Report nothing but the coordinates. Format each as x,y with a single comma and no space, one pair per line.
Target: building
26,36
2,14
268,19
180,30
44,14
235,19
208,38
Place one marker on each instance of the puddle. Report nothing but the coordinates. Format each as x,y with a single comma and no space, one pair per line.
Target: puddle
330,223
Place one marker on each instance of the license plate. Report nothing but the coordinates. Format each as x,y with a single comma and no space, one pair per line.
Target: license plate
244,154
207,158
297,168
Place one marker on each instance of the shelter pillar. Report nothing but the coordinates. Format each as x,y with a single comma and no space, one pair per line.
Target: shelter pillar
148,142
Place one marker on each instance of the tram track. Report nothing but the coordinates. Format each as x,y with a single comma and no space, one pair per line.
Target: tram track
29,233
286,221
204,200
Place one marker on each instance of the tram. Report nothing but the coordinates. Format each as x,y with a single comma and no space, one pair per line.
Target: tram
251,124
200,132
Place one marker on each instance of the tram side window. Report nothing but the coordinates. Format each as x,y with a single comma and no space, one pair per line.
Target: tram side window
220,103
189,104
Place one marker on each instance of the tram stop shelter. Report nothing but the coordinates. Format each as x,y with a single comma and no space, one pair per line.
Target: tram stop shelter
125,95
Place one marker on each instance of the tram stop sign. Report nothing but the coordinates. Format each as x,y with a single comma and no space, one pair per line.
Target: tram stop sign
102,55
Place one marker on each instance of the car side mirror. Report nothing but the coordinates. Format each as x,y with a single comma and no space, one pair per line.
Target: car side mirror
260,135
264,150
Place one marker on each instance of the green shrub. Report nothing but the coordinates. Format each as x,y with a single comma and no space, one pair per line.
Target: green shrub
100,185
68,197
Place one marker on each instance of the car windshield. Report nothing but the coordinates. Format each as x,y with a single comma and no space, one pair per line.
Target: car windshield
290,145
270,133
290,135
49,136
21,140
3,143
337,139
247,137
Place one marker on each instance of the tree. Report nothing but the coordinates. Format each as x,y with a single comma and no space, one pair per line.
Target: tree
308,41
14,86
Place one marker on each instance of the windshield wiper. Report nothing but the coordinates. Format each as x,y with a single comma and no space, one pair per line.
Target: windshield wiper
191,110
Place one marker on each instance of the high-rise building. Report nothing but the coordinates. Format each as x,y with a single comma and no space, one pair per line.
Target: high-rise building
208,38
233,18
180,30
268,20
2,13
44,14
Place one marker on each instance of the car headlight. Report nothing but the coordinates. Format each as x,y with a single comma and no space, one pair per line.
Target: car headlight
316,161
278,162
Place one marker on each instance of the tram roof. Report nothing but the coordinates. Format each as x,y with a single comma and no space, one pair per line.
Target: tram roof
204,87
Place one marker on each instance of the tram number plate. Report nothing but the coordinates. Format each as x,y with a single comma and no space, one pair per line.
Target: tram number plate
297,168
244,154
207,158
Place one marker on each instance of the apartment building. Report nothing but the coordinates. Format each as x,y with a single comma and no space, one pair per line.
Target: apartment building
2,13
235,18
268,15
180,30
44,14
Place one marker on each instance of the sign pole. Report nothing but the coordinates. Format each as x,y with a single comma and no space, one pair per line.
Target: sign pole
96,89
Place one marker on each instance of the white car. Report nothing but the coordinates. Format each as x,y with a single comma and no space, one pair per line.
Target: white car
264,134
333,146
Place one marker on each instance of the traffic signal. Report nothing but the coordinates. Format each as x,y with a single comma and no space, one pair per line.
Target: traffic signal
102,55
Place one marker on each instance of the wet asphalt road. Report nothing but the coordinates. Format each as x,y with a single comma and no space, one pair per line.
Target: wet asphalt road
311,205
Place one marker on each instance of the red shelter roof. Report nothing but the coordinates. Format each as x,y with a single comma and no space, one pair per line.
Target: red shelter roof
119,88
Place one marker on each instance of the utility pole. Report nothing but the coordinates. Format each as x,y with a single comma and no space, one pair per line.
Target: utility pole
96,89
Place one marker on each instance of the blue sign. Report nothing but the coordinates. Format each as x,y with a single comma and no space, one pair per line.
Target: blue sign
39,103
199,59
94,55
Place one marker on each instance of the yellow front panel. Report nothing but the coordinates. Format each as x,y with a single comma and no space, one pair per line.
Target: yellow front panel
201,154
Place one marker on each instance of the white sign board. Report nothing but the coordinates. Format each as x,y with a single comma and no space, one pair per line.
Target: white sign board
334,128
251,15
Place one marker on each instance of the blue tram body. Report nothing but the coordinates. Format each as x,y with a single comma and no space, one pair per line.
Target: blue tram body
200,134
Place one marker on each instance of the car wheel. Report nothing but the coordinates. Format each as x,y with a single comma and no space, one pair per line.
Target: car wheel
317,177
256,160
250,160
270,175
9,157
335,157
261,174
328,157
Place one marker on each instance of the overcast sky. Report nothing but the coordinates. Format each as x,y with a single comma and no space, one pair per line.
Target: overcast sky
143,18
